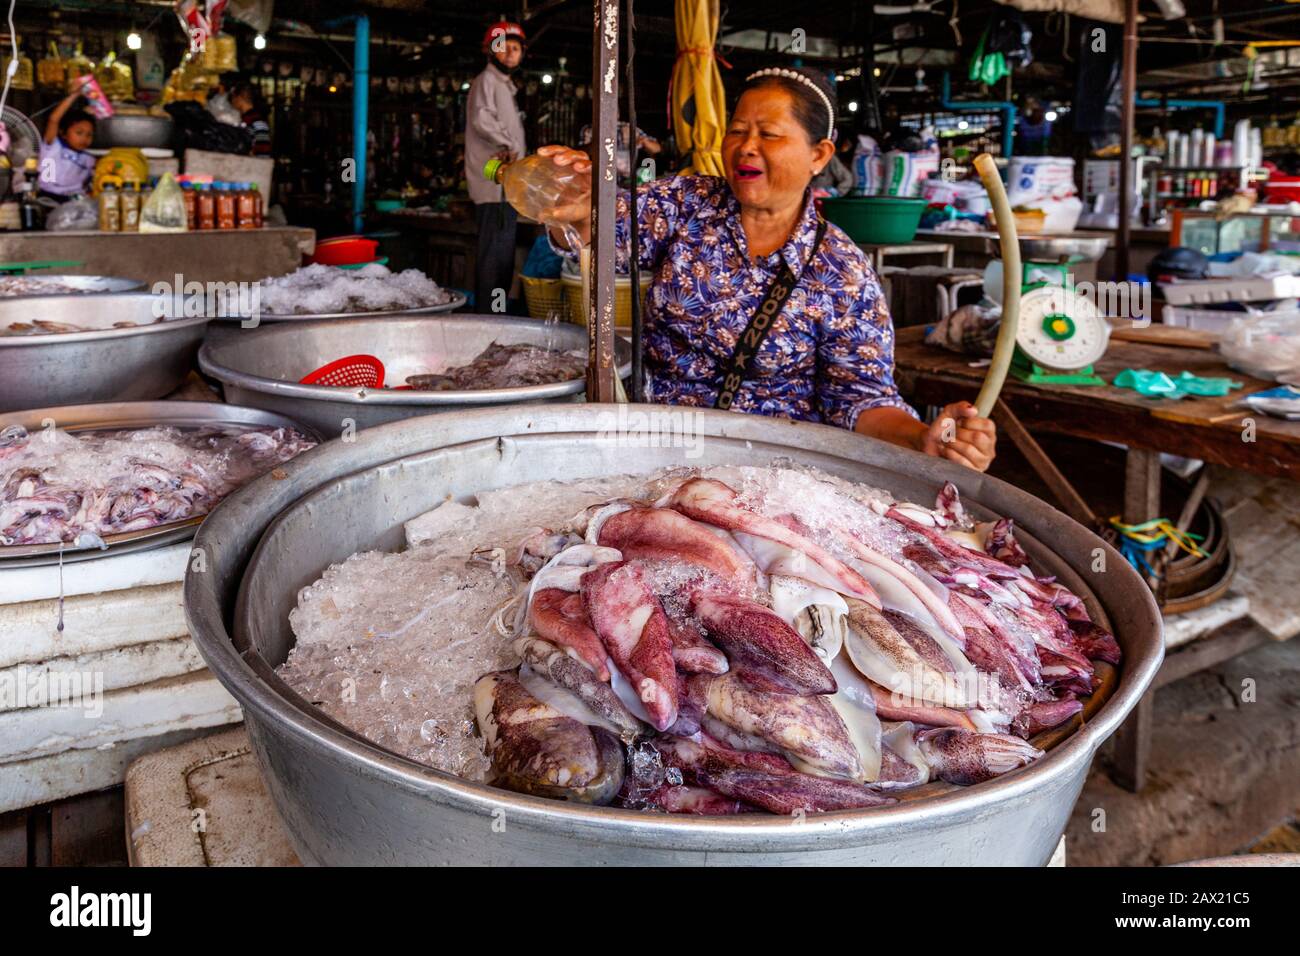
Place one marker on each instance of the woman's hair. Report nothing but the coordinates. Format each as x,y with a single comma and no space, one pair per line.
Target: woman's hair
74,115
810,109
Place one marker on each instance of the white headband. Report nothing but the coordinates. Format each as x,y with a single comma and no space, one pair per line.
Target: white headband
800,78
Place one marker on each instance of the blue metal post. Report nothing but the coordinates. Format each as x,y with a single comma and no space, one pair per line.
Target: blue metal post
360,116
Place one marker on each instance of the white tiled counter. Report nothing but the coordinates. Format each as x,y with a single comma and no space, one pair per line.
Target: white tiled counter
124,654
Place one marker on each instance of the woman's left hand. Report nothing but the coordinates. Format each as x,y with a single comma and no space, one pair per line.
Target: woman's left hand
961,435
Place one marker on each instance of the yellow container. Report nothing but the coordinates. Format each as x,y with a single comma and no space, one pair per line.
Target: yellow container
545,298
220,54
120,166
51,70
577,312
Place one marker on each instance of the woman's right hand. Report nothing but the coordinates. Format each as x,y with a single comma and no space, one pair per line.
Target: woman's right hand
577,213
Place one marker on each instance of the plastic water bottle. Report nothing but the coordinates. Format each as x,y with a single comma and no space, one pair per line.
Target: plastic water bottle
537,188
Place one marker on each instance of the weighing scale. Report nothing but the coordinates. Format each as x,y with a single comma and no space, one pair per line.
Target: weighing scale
1059,333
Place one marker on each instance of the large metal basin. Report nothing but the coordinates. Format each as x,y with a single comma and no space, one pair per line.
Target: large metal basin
106,365
133,130
261,367
346,801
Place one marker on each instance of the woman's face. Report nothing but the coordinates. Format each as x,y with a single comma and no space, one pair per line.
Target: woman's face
766,154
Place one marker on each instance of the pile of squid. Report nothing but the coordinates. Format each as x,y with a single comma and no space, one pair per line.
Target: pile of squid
59,487
761,639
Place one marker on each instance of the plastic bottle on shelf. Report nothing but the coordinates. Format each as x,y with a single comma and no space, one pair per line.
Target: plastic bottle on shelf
130,203
536,187
226,206
257,204
190,195
205,203
246,206
110,209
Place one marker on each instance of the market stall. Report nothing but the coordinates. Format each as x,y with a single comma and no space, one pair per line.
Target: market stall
630,432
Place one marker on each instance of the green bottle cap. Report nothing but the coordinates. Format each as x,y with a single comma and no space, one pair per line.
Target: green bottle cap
491,168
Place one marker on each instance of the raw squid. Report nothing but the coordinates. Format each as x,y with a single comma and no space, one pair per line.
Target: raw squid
56,486
747,637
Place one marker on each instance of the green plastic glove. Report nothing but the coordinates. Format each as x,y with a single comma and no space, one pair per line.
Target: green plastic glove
1151,384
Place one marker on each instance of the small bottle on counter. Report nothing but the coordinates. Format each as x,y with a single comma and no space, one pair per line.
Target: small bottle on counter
110,210
130,203
257,204
227,206
31,215
205,207
247,204
190,195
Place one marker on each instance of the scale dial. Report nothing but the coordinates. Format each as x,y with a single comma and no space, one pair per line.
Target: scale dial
1060,329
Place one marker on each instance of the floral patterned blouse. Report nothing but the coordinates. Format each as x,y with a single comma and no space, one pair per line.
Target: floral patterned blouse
828,357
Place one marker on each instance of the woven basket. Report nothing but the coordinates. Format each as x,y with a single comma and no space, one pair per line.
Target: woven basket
577,311
545,298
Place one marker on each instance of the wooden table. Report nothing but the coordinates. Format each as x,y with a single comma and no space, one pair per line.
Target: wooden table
1206,428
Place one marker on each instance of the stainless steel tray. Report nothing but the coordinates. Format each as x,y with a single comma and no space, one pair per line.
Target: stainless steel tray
84,285
263,367
102,364
458,299
111,416
1063,248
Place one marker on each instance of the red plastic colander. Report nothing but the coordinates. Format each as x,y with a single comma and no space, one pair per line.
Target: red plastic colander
352,371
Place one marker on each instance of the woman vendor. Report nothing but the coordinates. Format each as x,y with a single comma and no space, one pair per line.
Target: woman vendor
718,247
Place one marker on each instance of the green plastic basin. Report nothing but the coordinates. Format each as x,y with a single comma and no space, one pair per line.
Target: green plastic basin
879,220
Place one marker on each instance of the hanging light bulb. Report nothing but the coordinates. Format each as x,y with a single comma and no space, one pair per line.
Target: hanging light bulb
1050,116
962,124
259,42
853,106
133,41
548,79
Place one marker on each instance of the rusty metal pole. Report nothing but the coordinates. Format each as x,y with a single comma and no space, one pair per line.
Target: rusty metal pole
601,370
1128,84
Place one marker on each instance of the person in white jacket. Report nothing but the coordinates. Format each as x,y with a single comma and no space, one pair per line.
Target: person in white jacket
494,128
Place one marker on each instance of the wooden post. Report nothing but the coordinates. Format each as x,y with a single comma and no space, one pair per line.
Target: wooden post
1128,85
601,371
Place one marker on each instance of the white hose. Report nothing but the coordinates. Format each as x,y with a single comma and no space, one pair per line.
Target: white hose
1011,276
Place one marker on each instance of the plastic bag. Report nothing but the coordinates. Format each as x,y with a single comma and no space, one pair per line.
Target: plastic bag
256,13
868,167
164,211
198,129
1266,346
219,106
81,213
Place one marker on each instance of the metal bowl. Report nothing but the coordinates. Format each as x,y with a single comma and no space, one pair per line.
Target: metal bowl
110,416
262,367
84,285
1063,248
345,800
133,130
457,300
102,365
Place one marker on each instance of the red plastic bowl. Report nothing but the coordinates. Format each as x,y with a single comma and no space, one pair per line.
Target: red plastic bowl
345,251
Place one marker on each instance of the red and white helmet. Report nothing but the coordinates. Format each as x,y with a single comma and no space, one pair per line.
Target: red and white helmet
505,29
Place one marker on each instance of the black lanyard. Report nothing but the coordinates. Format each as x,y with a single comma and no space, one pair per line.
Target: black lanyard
760,323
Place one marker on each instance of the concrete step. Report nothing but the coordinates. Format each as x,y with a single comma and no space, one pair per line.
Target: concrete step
1225,761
